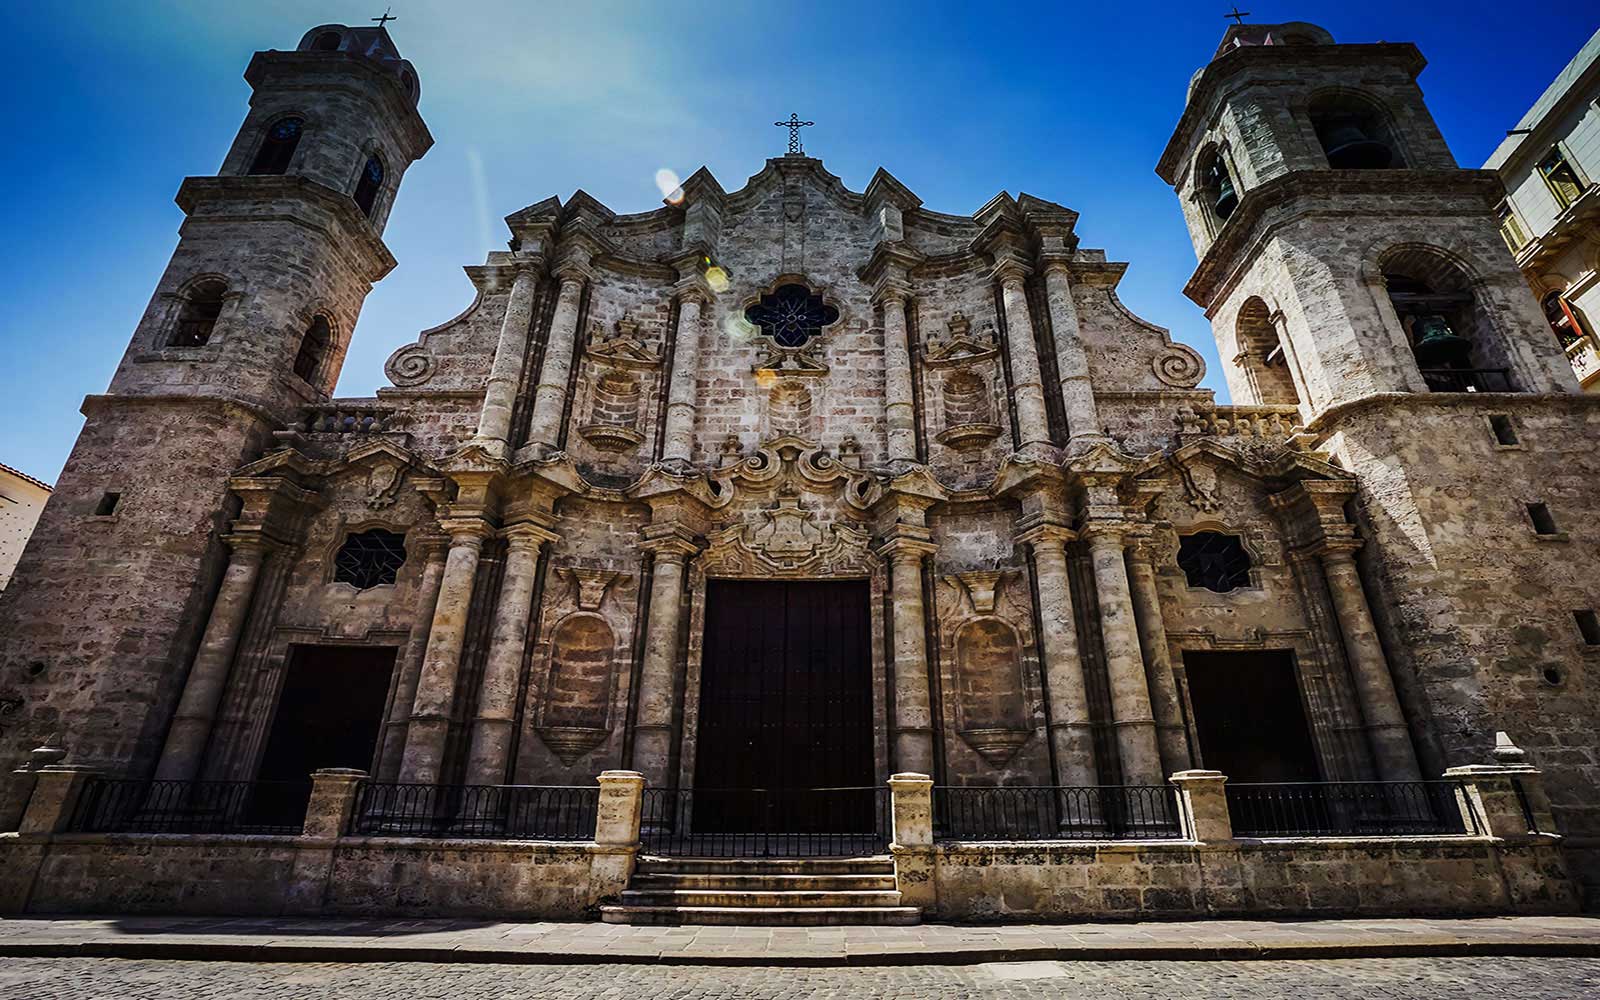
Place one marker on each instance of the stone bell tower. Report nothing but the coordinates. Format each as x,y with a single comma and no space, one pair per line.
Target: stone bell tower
1349,267
250,323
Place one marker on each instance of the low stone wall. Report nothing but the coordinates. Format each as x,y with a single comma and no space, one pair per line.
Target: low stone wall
250,875
1309,877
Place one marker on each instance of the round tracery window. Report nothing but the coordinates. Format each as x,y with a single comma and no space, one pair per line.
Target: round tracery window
370,558
791,315
1214,561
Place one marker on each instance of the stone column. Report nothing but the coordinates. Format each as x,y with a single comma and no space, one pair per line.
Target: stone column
1130,691
677,449
333,799
1203,805
550,398
912,726
1027,385
1171,737
490,751
436,686
1380,706
658,673
410,666
1072,362
1071,733
500,394
899,403
202,691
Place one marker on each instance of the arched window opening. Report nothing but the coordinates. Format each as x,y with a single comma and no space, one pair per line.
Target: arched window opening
1263,357
791,315
313,349
1566,319
277,149
1217,190
370,559
328,41
1455,345
1354,134
197,318
1561,178
1214,561
367,187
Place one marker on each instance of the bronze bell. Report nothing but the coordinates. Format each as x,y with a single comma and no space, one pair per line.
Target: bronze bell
1227,198
1350,148
1437,344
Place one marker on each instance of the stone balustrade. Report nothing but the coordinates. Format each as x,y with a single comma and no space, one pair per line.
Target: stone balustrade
1242,424
351,416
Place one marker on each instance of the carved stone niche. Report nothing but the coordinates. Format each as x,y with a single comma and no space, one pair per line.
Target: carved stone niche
962,368
615,389
574,714
987,656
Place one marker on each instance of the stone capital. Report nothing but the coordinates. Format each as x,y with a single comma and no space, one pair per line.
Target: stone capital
1046,534
1010,271
467,528
906,546
669,543
247,542
572,270
527,536
1097,531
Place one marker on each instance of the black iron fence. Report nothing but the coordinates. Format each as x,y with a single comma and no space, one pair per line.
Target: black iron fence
765,823
501,812
1056,812
119,805
1350,809
1468,379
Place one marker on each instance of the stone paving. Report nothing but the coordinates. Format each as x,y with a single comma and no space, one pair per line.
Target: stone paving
458,941
1367,979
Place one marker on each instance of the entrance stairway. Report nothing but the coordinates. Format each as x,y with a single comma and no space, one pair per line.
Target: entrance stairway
771,893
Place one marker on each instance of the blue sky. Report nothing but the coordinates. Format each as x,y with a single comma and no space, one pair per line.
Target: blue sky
112,104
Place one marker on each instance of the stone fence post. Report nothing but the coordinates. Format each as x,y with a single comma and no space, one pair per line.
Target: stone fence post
19,786
333,798
1203,806
911,811
1505,799
616,834
56,791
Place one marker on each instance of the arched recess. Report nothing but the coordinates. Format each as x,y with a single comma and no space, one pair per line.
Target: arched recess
200,307
1263,356
1355,131
1216,185
315,345
576,706
789,410
1453,338
990,690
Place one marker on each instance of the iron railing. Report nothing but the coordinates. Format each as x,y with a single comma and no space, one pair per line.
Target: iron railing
1468,379
498,812
1056,812
765,822
1527,807
116,805
1350,809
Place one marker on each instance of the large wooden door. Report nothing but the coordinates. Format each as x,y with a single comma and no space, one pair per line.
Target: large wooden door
785,698
1247,710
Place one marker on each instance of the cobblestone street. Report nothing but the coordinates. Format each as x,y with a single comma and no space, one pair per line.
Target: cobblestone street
1368,979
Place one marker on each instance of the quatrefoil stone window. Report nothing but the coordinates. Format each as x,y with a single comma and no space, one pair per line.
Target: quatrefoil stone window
791,315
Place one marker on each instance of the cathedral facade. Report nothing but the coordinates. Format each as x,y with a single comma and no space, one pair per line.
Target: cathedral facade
783,485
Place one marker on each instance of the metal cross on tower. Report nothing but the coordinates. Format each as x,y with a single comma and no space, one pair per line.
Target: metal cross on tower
794,125
385,19
1237,15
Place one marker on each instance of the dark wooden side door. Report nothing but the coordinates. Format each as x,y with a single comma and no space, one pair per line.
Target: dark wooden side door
329,713
785,706
1247,710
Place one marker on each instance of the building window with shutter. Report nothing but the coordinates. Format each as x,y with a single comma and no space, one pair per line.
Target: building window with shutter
1561,178
1510,227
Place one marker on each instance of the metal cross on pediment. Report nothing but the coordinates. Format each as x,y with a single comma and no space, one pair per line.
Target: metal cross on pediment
385,19
1237,15
794,125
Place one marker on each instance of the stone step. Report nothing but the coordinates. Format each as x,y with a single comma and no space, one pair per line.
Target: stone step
793,916
766,900
768,883
766,866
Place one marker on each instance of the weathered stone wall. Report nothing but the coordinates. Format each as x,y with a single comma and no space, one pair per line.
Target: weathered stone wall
1303,878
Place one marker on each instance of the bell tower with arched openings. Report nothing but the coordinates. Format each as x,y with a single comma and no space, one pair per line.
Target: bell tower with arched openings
248,325
1351,269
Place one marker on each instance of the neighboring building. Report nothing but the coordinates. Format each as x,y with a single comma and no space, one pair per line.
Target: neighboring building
790,486
22,498
1550,219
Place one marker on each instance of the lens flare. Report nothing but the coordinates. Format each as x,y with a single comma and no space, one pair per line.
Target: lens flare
717,278
671,187
738,329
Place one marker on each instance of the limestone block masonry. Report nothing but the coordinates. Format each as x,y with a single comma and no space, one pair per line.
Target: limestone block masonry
1073,566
